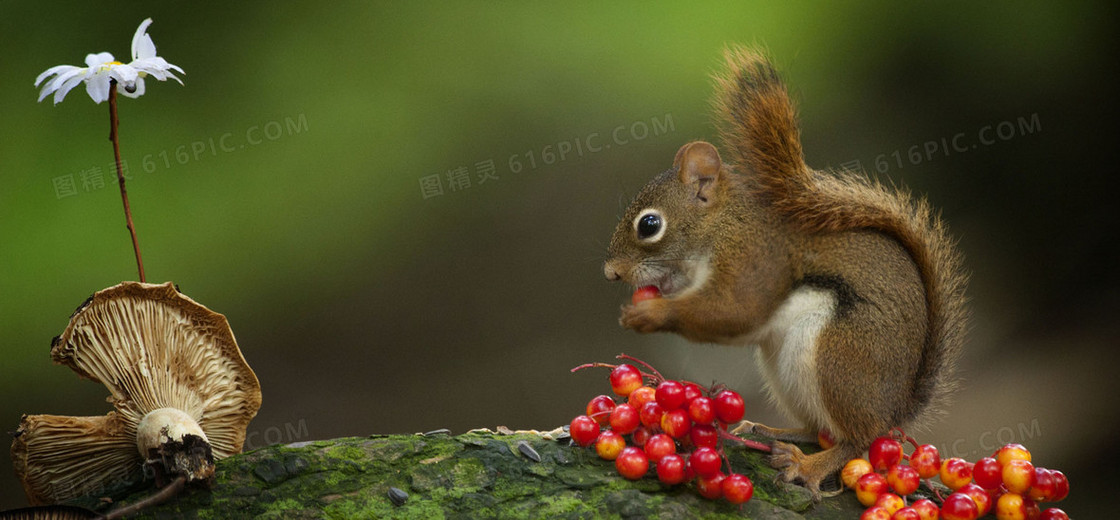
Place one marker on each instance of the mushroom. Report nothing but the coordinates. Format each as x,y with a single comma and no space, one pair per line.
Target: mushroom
181,391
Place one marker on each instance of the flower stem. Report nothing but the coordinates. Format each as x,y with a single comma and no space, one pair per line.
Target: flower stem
120,175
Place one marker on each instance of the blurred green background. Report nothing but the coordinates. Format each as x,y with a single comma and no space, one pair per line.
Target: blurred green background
281,186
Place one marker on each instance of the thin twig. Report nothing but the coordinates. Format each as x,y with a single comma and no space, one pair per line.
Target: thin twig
171,489
120,174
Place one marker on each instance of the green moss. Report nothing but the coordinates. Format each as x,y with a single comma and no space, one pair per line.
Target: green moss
565,505
471,476
288,508
347,452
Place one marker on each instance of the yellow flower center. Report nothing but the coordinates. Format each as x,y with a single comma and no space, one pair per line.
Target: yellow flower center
108,65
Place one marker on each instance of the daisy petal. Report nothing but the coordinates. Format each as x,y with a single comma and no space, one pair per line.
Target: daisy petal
94,60
98,87
142,46
58,81
69,84
125,74
51,72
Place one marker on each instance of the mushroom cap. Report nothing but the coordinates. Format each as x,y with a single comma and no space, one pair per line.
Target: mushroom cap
153,348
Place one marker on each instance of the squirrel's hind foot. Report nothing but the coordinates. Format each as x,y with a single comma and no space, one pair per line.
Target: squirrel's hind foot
809,470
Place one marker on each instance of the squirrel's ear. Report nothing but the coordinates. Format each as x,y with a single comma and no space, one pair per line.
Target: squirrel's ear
698,163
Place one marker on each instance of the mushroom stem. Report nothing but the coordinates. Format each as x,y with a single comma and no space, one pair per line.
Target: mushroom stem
172,441
162,425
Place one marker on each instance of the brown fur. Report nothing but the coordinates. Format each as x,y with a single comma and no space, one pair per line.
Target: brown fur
765,224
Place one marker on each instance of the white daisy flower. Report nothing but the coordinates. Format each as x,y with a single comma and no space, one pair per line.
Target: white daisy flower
102,68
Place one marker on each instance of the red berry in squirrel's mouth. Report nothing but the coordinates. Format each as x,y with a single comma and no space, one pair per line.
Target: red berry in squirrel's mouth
648,292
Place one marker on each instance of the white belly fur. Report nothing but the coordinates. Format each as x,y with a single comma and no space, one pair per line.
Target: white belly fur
787,354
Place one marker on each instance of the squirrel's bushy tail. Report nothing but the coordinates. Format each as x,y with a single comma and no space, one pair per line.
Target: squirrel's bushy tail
758,123
760,133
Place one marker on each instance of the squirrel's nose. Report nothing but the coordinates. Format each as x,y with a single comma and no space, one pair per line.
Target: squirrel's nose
610,272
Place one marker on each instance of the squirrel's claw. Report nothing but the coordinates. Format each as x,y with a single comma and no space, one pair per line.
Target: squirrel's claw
743,428
795,466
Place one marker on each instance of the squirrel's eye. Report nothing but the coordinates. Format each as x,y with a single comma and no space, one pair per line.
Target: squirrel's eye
649,225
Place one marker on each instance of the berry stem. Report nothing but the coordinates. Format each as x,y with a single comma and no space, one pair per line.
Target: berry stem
936,493
755,445
901,436
120,175
646,375
657,375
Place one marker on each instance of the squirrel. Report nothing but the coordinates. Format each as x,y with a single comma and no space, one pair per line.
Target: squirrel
852,292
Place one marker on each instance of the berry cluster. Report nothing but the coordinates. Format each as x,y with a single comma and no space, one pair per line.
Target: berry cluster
675,425
1006,483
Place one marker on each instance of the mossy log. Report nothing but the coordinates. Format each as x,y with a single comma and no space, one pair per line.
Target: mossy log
480,474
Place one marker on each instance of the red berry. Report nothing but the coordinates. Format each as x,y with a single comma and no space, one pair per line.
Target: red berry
959,506
676,423
1061,485
624,419
689,473
926,460
980,496
884,453
903,479
648,292
659,446
1018,476
710,487
729,406
583,430
737,488
825,439
1012,506
1053,514
906,513
705,462
927,509
671,469
875,513
701,410
704,435
599,408
987,474
650,414
641,396
632,463
625,379
609,445
692,391
641,436
869,487
1010,452
955,473
1044,488
890,501
853,470
670,395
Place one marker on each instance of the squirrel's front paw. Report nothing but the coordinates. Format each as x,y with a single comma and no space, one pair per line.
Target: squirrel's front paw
645,316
